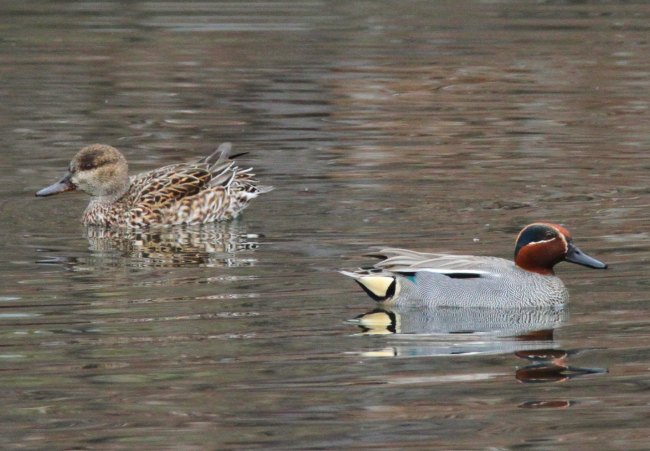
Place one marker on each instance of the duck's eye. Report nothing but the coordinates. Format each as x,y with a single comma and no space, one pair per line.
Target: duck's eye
87,166
549,235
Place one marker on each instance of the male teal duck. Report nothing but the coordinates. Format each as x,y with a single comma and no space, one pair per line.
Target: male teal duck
212,189
413,278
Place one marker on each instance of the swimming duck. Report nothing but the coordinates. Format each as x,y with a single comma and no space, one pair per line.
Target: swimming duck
212,189
408,277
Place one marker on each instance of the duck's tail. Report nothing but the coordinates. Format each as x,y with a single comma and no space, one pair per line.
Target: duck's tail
379,287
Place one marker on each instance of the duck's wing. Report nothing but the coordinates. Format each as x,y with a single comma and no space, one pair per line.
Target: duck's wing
228,175
159,188
219,156
221,165
406,261
168,184
380,281
154,194
213,188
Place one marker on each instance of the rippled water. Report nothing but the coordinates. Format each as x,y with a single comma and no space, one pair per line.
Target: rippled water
431,125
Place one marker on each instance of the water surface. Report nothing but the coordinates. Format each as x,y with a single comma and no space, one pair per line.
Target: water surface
435,126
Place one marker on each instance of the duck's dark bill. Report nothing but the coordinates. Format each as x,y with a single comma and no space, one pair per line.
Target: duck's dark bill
575,255
63,185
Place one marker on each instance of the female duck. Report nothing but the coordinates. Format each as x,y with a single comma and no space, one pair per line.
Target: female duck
414,278
213,189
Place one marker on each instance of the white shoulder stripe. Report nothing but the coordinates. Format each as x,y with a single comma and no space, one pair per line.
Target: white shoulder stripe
447,271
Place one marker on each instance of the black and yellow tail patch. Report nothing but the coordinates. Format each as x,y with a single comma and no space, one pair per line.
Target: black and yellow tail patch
378,288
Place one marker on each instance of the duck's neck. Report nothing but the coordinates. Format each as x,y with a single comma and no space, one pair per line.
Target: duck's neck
113,195
538,258
105,210
536,269
108,199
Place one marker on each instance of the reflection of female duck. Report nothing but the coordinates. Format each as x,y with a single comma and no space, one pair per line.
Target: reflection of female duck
407,277
191,193
213,244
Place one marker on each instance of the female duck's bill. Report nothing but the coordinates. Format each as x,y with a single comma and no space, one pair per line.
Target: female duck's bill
62,186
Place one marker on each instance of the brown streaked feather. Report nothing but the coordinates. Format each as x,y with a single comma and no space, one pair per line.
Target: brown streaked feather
175,185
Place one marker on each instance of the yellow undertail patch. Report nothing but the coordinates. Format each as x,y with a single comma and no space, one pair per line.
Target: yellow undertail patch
377,285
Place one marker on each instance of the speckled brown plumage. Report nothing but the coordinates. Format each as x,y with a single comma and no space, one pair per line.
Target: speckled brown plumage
212,189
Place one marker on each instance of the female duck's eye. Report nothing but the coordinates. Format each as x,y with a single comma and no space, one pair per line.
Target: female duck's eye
87,166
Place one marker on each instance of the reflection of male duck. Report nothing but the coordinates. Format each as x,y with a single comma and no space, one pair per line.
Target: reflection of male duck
414,278
550,365
509,322
445,331
212,189
437,331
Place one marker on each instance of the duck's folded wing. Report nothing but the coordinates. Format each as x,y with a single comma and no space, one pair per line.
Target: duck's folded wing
160,189
406,261
381,280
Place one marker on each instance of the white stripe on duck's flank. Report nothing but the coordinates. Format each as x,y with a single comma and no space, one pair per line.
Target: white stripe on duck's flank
448,271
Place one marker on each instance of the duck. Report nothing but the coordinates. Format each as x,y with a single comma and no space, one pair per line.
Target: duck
406,277
212,189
